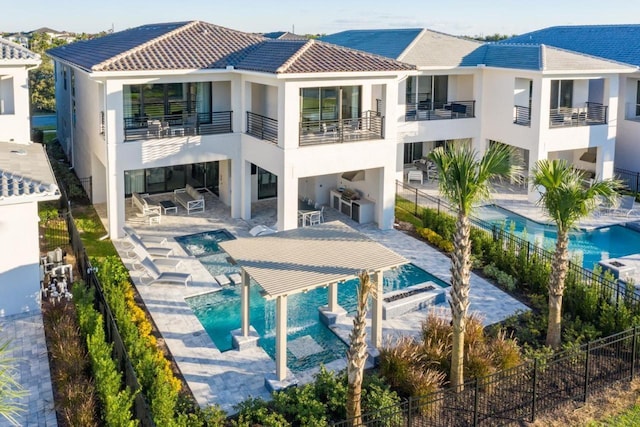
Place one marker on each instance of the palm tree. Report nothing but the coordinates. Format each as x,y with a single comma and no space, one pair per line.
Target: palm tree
465,181
357,352
566,200
10,390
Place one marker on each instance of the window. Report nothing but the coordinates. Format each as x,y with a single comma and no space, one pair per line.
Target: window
329,103
64,77
561,94
6,95
166,179
168,99
267,184
412,151
429,92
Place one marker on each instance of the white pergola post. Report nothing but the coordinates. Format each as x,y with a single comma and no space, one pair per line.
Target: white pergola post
333,297
244,303
376,311
281,338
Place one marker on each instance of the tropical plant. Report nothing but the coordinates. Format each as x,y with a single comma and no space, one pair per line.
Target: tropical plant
566,200
10,390
357,352
465,180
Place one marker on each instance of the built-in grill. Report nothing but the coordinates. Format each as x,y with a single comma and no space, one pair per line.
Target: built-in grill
349,195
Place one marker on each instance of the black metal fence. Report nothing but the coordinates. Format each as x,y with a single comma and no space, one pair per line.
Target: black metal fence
262,127
630,179
141,409
523,393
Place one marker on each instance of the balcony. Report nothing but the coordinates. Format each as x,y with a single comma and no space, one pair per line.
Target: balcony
592,113
521,115
427,110
369,126
262,127
177,125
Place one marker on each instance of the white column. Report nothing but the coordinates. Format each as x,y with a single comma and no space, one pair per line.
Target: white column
281,338
288,198
376,311
333,297
114,174
244,304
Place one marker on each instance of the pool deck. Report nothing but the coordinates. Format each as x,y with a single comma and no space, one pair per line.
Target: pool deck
227,378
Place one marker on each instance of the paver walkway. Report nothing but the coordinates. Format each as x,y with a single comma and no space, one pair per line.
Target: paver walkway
25,333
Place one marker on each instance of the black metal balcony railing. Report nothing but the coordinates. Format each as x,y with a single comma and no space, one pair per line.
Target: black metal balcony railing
177,125
592,113
369,126
427,110
521,115
262,127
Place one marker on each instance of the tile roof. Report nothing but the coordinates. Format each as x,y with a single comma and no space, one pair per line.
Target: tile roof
434,49
614,42
537,58
25,173
390,43
199,45
284,35
170,46
10,51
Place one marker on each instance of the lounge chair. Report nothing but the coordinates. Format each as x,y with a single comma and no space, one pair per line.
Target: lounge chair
153,250
261,230
141,253
157,276
625,206
158,240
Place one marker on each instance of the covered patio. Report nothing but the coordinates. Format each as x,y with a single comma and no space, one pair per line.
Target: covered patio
299,260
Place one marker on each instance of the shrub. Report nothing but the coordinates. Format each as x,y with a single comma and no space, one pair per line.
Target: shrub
300,406
332,390
255,412
505,280
396,361
435,239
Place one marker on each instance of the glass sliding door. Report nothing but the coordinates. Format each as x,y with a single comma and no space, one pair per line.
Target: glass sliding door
267,184
167,179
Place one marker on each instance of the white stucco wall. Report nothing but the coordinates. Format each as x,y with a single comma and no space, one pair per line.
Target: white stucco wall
14,121
20,262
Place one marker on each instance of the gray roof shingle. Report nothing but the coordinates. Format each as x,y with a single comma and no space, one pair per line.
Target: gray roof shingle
25,173
434,49
199,45
10,51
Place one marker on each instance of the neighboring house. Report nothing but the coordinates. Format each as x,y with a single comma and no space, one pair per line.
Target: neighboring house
619,43
53,34
26,178
15,63
153,108
548,102
18,38
284,35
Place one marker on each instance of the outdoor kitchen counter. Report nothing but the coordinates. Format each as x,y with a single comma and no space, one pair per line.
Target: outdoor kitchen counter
360,210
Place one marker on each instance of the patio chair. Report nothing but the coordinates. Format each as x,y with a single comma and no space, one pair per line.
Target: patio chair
157,276
415,175
141,253
157,240
261,230
153,250
625,206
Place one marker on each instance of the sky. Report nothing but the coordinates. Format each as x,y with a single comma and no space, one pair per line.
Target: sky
460,17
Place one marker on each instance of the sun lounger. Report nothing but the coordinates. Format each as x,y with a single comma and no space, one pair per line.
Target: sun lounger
141,253
153,250
235,278
222,280
157,276
157,240
261,230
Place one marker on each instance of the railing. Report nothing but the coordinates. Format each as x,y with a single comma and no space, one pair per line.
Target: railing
369,126
262,127
521,115
592,113
178,125
427,110
629,178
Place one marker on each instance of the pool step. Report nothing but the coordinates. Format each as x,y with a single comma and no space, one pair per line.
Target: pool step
222,280
235,278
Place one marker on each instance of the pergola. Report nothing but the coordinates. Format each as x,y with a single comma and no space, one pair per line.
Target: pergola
298,260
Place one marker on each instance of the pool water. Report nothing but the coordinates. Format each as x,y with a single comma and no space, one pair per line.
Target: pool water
591,245
219,312
202,244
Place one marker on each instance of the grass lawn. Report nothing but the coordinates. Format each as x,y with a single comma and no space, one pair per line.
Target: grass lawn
91,230
631,417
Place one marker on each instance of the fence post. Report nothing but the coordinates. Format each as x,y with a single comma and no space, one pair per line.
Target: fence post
534,398
415,210
475,402
410,412
634,348
438,206
586,371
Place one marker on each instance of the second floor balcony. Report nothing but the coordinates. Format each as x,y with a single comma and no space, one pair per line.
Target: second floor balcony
592,113
368,127
177,125
427,110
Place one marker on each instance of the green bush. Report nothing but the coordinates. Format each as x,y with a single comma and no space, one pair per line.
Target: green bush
256,412
505,280
332,390
300,406
435,239
116,403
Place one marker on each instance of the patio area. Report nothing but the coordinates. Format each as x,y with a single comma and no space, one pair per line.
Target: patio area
229,377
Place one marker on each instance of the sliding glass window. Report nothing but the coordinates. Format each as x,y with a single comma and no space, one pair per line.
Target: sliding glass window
156,101
330,103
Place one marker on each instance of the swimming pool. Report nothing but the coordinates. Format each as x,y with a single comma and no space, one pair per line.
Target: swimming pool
592,245
309,341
